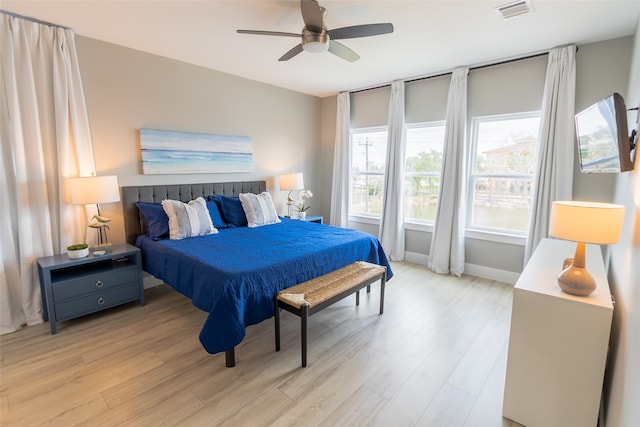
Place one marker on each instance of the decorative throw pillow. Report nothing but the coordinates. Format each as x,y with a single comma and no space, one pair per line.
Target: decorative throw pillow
214,212
155,220
232,211
259,209
188,219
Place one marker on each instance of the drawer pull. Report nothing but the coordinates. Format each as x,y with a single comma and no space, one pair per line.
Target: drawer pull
101,301
99,284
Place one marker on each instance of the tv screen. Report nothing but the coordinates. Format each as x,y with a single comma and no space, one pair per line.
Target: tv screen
603,137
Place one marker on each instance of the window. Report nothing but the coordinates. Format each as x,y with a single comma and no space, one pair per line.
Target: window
368,162
503,159
423,162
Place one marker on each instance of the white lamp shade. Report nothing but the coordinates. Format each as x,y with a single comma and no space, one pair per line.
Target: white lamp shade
292,181
587,222
94,189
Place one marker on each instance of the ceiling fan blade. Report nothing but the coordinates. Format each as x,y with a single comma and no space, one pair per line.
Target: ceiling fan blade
365,30
342,51
312,15
290,54
268,33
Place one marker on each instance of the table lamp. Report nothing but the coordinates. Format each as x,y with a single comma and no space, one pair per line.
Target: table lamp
583,222
95,190
290,182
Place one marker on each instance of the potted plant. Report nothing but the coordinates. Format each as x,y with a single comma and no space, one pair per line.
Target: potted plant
79,250
300,205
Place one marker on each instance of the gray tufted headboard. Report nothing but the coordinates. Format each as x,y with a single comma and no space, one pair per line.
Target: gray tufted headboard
133,225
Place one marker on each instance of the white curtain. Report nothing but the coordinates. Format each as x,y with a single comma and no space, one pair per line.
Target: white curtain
446,254
44,134
554,164
392,220
340,183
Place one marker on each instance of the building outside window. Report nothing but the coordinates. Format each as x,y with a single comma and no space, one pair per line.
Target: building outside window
423,162
368,162
502,170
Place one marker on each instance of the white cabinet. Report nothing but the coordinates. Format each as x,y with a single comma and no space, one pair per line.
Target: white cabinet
558,343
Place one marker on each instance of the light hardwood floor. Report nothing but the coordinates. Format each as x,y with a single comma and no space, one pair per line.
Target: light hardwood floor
436,357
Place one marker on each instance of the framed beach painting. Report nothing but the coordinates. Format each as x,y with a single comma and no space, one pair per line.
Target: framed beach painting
168,152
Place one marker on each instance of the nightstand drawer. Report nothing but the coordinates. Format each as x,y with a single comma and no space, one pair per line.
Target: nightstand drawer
93,283
97,301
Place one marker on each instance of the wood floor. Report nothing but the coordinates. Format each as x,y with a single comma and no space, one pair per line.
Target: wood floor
435,358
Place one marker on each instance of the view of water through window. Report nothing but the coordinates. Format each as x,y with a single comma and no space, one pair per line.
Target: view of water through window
501,180
502,152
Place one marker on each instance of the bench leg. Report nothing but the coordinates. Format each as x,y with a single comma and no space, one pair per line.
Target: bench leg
368,289
277,323
358,297
303,323
382,285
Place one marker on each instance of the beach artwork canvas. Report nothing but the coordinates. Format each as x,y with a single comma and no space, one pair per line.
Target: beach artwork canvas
168,152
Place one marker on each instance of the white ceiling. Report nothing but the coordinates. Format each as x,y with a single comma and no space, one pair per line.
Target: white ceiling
430,36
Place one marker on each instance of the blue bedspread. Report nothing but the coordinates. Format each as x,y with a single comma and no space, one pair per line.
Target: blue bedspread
234,275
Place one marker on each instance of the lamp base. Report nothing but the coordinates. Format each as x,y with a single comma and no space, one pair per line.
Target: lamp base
576,281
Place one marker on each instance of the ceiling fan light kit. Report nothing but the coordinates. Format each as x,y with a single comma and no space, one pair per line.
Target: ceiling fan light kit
315,42
316,38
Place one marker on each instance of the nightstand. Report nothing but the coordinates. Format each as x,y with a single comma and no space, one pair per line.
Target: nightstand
314,218
75,287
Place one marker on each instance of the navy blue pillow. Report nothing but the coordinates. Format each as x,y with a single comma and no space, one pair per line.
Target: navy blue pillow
214,213
232,211
156,220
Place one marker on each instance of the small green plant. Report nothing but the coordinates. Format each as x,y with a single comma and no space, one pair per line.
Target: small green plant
77,247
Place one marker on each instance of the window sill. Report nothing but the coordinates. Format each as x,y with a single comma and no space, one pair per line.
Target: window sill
490,236
418,226
364,219
493,236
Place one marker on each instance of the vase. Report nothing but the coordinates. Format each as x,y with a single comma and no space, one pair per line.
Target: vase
79,253
302,215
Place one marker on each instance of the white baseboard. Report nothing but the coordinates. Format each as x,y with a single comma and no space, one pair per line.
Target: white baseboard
491,273
416,258
470,269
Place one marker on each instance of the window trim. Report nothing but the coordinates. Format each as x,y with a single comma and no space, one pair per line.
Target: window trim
492,233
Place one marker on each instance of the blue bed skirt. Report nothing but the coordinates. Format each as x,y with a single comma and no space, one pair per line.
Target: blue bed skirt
234,275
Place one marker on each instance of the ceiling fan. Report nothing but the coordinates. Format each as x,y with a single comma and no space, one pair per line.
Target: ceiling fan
317,38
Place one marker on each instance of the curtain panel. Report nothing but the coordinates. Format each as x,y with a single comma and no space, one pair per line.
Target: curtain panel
446,254
391,231
340,184
45,137
554,161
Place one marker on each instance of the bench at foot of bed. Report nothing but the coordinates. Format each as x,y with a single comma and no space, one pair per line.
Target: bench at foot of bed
312,296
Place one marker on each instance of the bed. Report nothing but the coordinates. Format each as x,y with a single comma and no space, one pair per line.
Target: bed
234,274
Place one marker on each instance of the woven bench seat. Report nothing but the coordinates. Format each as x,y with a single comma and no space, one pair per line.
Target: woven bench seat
314,295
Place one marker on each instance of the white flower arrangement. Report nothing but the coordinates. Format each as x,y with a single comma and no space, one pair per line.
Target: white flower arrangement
300,204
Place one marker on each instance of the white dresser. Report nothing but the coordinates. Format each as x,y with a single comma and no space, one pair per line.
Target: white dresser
558,343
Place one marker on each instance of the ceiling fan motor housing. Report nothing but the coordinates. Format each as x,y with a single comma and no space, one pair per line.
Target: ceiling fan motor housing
315,42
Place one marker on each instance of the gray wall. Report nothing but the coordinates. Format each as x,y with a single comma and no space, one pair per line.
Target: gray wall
127,90
602,68
622,383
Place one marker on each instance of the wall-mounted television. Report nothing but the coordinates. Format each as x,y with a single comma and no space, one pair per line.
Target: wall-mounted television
605,142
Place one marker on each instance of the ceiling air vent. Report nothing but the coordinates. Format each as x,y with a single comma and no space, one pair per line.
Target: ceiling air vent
515,8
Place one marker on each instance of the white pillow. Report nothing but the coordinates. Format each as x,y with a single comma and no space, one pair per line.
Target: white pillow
259,209
188,219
